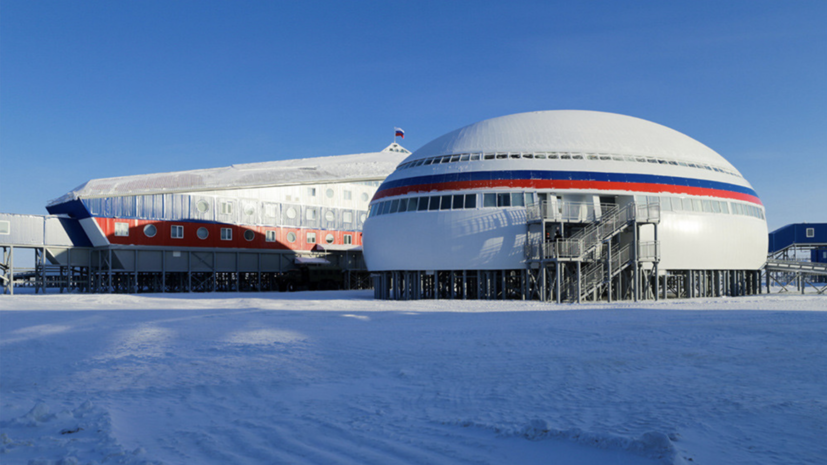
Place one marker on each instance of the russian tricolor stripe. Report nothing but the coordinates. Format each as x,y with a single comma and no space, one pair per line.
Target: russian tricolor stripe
581,180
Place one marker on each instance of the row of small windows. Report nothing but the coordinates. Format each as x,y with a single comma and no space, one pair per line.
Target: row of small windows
226,208
678,204
329,193
521,199
177,232
561,156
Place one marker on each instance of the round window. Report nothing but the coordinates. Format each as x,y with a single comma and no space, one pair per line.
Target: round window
329,238
249,210
150,230
249,235
329,216
329,193
202,233
291,237
202,206
362,217
291,212
364,197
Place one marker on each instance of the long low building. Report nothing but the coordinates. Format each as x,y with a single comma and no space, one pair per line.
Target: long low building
225,228
565,205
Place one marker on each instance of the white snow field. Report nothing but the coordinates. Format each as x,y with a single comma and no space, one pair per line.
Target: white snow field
338,378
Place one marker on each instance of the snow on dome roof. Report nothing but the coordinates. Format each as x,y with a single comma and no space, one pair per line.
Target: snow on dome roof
571,131
339,168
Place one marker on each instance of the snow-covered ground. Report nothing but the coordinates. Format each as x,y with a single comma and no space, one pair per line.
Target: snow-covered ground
336,377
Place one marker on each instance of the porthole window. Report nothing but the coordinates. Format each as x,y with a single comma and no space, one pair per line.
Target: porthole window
150,230
364,197
329,238
202,206
362,217
291,212
329,216
249,210
329,193
202,233
249,235
291,237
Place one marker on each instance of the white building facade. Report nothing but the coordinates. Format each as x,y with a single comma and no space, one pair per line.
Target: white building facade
542,204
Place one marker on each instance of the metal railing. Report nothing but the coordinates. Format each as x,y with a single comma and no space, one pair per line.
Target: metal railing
591,237
569,212
649,251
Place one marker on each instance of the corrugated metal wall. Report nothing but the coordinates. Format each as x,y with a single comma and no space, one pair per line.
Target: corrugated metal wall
247,211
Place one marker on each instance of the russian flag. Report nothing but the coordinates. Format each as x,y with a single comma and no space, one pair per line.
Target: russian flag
400,133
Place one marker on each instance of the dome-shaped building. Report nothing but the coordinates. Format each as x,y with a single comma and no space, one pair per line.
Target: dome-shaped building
565,205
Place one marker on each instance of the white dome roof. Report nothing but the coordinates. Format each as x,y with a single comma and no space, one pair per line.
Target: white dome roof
571,131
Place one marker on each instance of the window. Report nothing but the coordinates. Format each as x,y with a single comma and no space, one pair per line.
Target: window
250,209
226,234
385,208
329,238
311,191
310,214
489,200
291,212
329,193
348,195
226,208
470,200
270,210
150,230
202,233
423,204
122,229
270,236
503,200
311,238
529,198
811,232
329,215
459,202
434,205
5,227
697,206
249,235
394,205
445,203
412,204
517,200
687,205
291,237
202,206
177,231
348,239
707,206
666,204
403,205
364,197
347,217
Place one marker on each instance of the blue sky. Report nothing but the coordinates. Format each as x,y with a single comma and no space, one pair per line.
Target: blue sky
97,89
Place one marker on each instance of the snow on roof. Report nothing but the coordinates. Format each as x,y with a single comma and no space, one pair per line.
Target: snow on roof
340,168
571,131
